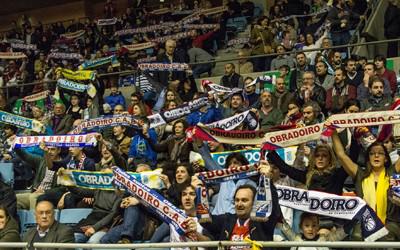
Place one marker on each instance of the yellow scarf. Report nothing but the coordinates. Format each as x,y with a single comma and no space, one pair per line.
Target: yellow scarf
79,75
376,198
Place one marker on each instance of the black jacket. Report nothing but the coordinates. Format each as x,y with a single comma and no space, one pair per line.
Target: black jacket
319,96
162,77
222,225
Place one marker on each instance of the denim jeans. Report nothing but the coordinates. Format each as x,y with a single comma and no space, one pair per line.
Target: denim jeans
161,234
201,68
132,226
94,239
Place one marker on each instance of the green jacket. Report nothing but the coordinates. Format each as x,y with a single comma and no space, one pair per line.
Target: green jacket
272,119
39,164
58,233
267,37
10,233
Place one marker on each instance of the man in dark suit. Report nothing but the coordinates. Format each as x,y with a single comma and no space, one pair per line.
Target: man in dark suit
171,55
48,230
61,123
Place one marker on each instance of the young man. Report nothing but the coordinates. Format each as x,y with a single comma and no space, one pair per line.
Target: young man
323,78
382,72
302,66
363,90
250,91
341,91
115,97
195,231
353,76
376,100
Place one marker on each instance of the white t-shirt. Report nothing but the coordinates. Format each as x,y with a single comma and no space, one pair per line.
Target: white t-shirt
175,237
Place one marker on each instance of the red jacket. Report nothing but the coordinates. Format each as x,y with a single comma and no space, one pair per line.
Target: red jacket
391,77
198,41
335,107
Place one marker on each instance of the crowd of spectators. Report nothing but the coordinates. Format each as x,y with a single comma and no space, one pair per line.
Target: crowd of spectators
310,87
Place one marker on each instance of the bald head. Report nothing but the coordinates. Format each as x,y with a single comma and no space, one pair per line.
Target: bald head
170,46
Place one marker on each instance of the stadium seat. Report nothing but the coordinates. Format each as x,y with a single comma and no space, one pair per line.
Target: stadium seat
73,215
258,11
7,173
238,24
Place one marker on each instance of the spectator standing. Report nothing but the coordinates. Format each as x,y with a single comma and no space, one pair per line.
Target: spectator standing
231,79
383,72
391,27
340,93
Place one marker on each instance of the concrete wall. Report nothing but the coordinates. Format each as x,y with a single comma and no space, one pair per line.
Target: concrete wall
47,15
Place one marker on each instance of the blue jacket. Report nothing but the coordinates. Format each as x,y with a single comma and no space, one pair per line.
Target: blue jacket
114,100
213,114
140,147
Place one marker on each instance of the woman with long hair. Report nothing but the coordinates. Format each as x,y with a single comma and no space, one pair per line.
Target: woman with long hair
8,227
176,146
322,173
372,183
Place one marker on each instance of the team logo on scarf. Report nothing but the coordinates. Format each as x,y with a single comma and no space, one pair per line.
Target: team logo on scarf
23,46
238,137
81,141
230,123
152,200
254,155
101,61
228,174
147,59
79,75
65,56
151,28
73,35
342,207
105,22
161,11
164,66
176,36
291,137
364,119
262,207
176,113
201,26
74,86
104,180
238,41
107,121
21,122
12,55
36,97
139,46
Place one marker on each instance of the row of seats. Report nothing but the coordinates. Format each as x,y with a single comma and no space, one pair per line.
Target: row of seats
66,216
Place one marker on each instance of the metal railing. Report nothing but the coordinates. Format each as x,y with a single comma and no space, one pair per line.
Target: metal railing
214,244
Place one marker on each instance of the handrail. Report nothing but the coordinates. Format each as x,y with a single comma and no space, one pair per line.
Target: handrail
219,244
128,72
13,245
371,6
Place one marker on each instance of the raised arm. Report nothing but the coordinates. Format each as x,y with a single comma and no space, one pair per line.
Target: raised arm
295,174
349,166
